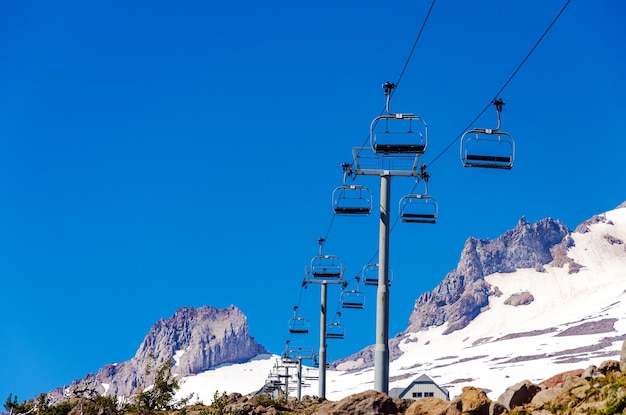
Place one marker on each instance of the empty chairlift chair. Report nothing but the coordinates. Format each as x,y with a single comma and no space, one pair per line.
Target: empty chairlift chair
353,299
298,325
417,208
398,134
487,147
351,199
336,330
323,266
369,275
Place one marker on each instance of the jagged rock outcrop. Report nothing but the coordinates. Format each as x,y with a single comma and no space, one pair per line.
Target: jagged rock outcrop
459,298
196,339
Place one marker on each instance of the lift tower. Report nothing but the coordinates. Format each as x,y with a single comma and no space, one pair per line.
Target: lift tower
324,269
397,140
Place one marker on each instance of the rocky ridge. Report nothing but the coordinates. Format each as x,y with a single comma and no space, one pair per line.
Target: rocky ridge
196,338
463,292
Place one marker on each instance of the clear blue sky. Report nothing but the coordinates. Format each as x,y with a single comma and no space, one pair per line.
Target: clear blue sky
155,155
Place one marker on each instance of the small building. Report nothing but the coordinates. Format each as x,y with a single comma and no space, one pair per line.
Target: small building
421,387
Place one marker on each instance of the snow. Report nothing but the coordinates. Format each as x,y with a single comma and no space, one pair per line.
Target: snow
177,355
244,378
477,355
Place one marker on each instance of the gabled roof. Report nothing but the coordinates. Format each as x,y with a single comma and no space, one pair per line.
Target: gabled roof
423,379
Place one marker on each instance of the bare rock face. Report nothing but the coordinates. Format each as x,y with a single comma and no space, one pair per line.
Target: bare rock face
196,339
459,298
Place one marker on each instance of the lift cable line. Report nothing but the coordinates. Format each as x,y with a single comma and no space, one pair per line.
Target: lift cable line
508,81
460,135
408,59
404,68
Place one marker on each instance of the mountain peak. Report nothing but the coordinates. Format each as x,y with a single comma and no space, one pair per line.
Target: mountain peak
462,294
196,339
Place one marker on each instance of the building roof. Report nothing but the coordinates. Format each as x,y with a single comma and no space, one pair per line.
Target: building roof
423,379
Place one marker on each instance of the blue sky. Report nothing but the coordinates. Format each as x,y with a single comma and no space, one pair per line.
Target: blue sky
155,155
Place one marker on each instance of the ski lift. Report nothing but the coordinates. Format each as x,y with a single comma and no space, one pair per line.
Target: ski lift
311,374
369,274
419,208
351,199
298,325
336,330
396,133
325,266
353,299
488,147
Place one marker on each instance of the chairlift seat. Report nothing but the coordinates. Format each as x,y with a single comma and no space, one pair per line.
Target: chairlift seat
491,150
419,218
351,210
399,148
418,208
326,273
372,282
352,200
352,305
298,325
490,162
326,267
336,331
352,299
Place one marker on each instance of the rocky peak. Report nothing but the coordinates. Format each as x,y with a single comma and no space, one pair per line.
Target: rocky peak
196,339
463,292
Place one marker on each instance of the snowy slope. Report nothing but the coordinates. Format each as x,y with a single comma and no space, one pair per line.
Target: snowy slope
245,378
575,320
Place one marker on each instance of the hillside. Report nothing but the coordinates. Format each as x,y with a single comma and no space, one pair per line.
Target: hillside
537,321
536,301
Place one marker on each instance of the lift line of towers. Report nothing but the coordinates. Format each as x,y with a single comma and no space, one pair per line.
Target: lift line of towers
397,140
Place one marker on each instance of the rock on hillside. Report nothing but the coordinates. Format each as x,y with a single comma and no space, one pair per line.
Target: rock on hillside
196,339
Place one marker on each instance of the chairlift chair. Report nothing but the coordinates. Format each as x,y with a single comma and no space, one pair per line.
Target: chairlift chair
398,133
325,266
369,275
417,208
488,147
336,330
353,299
298,325
351,199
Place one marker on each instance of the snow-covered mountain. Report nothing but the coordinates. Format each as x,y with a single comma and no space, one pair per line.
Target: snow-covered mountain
537,322
537,301
196,339
534,302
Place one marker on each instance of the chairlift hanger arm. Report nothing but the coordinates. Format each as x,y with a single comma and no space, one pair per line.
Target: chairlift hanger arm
388,88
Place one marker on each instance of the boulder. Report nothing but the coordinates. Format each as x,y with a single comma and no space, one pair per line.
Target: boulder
519,394
609,366
561,378
428,406
474,401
